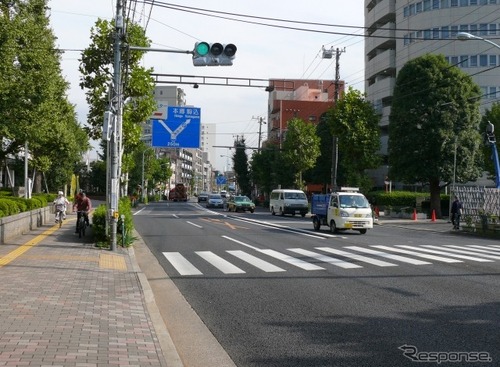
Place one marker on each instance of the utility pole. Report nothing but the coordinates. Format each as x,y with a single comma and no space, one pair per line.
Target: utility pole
328,54
116,107
261,121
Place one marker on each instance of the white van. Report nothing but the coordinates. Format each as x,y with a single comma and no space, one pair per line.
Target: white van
285,201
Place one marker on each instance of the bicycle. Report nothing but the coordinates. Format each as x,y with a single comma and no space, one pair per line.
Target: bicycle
59,214
80,224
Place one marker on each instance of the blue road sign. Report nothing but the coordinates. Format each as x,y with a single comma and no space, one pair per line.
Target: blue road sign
180,128
220,180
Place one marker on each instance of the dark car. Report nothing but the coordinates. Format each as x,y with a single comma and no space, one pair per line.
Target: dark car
203,196
243,203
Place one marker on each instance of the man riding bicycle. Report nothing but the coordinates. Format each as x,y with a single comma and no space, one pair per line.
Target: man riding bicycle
83,206
61,204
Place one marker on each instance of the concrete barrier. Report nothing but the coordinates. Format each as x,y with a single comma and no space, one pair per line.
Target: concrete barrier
16,225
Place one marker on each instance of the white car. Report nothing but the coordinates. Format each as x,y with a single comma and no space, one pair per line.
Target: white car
215,201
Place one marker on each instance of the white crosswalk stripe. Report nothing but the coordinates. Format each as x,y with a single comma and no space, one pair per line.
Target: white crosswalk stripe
292,260
255,261
181,264
357,257
415,253
445,253
223,265
326,259
389,256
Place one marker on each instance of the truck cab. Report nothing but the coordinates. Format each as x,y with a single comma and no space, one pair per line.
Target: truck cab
342,210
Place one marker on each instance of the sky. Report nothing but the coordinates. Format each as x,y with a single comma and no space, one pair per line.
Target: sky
264,52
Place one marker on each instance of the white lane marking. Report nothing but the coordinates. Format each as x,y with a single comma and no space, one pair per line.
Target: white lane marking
291,260
223,265
181,264
445,253
474,252
425,256
140,210
389,256
362,258
326,259
255,261
194,224
241,243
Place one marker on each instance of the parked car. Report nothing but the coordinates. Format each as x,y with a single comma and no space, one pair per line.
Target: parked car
237,203
215,201
202,196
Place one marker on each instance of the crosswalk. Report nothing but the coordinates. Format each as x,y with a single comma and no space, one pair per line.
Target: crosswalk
321,258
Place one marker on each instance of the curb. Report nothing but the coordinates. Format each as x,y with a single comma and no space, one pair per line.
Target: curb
170,354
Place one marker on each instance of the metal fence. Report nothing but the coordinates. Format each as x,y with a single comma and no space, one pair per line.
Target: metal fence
479,201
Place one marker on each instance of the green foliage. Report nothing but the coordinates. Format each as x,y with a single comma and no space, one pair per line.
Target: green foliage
34,106
300,148
354,123
99,225
9,206
434,105
394,198
241,169
125,237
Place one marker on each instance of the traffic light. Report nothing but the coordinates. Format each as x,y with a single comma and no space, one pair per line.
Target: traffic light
213,54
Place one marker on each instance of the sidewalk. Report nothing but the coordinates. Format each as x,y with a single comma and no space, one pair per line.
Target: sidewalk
64,302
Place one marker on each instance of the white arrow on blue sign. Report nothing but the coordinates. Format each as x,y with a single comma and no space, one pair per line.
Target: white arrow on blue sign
180,128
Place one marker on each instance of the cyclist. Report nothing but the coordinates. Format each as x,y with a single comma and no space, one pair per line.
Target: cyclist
83,206
61,204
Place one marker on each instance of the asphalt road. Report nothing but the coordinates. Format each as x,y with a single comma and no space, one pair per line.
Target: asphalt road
275,293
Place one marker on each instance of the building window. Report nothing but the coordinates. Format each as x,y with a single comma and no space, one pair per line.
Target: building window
464,61
445,32
454,3
427,5
435,33
493,92
483,60
464,28
493,60
473,61
435,4
412,9
493,29
454,60
427,34
418,7
406,12
473,29
445,4
464,2
473,2
454,31
483,29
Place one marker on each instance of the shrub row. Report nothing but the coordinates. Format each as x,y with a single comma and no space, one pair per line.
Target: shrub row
10,205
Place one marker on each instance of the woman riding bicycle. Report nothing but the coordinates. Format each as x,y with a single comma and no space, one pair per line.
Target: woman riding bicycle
60,204
83,206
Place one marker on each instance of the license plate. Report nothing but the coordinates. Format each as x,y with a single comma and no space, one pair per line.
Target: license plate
358,215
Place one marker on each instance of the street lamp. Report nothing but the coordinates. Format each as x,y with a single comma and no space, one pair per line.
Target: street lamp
464,36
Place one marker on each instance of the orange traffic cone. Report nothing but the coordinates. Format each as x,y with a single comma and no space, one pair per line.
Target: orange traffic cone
433,216
414,216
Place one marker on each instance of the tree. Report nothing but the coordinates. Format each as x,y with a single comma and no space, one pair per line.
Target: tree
242,173
355,124
435,109
321,172
300,148
492,116
34,108
96,67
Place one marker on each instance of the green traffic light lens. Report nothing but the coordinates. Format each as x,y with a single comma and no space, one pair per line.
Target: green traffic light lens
202,48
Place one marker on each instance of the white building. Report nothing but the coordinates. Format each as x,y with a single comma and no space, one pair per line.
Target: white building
400,30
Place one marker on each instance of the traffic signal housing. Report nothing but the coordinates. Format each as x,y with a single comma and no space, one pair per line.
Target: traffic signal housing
213,54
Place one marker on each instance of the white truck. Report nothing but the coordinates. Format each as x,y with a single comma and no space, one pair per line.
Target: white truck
342,210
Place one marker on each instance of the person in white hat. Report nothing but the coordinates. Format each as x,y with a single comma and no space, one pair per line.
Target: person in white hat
61,204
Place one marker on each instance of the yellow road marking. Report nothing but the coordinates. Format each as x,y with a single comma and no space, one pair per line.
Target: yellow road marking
115,262
11,256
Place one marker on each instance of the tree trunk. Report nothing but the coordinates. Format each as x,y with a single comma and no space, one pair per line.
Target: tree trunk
435,190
